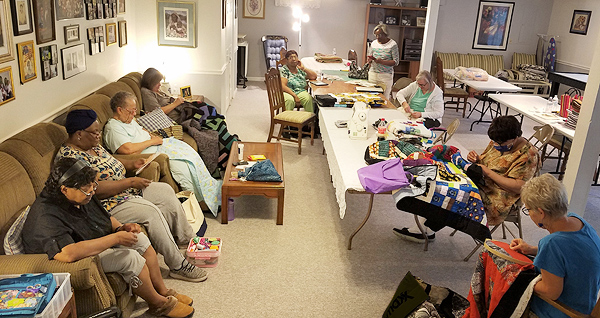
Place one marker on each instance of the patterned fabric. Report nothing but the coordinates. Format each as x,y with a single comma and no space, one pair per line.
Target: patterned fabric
13,243
225,139
296,82
155,120
109,167
387,51
443,152
294,117
522,58
522,164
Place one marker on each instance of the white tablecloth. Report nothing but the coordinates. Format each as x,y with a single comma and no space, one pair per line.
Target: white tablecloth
493,84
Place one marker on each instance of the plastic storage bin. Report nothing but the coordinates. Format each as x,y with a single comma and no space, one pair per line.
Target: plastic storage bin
61,296
204,251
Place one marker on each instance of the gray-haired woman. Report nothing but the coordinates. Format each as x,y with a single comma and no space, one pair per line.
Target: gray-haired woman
423,99
568,258
384,56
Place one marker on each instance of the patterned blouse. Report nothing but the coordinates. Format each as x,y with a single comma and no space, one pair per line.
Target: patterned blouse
522,164
109,167
296,82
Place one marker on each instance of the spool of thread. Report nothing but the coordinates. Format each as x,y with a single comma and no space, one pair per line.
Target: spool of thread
241,152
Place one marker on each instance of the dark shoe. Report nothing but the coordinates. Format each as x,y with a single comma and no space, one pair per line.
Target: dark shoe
413,237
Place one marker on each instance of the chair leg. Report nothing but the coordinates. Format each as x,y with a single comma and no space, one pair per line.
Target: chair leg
300,140
479,245
312,134
280,132
271,132
464,107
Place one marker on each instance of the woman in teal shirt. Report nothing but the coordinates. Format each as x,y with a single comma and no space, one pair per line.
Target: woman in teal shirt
423,99
293,81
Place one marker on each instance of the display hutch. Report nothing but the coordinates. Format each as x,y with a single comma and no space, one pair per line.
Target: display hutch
406,26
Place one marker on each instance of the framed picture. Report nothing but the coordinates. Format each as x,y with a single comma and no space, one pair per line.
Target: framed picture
43,13
122,33
6,88
21,16
223,14
186,92
6,40
71,33
68,9
177,23
73,60
48,62
26,53
580,22
421,21
121,4
111,33
493,25
254,9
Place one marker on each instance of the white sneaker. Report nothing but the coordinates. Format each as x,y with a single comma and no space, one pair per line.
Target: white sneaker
189,272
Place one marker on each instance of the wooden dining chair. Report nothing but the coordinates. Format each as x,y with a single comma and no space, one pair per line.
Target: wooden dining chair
568,310
286,118
453,93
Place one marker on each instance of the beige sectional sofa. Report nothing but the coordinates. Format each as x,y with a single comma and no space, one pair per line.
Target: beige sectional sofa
25,161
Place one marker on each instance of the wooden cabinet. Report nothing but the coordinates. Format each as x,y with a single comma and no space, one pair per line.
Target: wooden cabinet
406,26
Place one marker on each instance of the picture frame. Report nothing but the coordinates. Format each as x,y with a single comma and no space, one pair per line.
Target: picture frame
492,28
8,90
121,6
71,33
73,60
26,54
48,62
43,14
66,10
22,20
223,14
421,21
122,33
176,23
111,34
6,35
580,22
254,9
186,92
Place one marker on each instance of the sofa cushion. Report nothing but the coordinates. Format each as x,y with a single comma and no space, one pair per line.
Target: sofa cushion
35,148
522,58
134,79
449,60
99,103
13,244
491,63
155,120
113,88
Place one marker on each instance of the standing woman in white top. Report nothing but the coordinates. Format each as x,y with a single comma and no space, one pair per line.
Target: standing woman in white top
384,56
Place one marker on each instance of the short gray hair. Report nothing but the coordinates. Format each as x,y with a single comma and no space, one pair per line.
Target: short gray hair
119,99
424,74
381,27
546,193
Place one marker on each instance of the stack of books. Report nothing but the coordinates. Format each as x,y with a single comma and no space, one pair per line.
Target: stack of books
573,113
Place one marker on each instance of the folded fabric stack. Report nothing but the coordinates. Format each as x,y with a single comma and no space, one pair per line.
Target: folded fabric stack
327,58
573,113
524,72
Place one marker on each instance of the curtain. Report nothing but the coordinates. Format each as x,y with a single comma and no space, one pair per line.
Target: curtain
301,3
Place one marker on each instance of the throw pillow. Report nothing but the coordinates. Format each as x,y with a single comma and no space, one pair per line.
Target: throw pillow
155,120
13,244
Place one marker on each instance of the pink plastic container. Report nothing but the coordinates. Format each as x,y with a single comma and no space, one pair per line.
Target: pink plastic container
204,251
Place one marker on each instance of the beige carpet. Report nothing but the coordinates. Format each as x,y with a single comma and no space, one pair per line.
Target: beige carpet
303,269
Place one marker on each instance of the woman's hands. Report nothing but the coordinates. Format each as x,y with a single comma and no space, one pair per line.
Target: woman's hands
178,101
520,246
131,227
139,183
156,140
126,238
473,156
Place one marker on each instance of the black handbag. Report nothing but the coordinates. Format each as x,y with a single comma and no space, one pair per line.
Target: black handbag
359,73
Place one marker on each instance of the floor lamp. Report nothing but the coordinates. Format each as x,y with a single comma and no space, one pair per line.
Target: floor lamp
300,17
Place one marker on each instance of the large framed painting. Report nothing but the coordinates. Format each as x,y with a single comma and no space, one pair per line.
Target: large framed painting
6,40
254,9
73,60
8,93
493,25
26,53
69,9
177,23
21,16
43,14
580,22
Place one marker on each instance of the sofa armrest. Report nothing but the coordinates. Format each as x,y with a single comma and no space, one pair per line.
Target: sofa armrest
158,170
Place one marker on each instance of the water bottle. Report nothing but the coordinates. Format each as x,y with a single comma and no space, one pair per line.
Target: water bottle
549,105
381,129
555,105
230,210
334,51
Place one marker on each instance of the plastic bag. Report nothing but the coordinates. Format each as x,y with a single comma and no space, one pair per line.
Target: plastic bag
471,74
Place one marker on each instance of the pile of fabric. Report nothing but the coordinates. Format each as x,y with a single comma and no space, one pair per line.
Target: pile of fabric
327,58
471,74
524,72
573,113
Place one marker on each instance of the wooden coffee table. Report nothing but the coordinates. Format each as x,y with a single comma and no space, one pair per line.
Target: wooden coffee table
236,188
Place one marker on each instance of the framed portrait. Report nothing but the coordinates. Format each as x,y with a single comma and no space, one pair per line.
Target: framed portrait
21,16
186,92
71,33
254,9
121,5
580,22
421,21
6,40
177,23
493,25
26,54
111,33
72,9
73,60
43,14
122,33
48,62
7,89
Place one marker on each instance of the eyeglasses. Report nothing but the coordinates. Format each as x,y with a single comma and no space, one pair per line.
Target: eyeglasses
95,133
423,85
525,210
95,187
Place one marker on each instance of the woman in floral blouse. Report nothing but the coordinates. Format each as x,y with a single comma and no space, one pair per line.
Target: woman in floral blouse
293,82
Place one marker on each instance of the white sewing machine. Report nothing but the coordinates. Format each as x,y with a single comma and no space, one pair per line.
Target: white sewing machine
357,125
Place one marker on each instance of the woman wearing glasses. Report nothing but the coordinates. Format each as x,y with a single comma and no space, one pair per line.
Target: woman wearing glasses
133,199
423,99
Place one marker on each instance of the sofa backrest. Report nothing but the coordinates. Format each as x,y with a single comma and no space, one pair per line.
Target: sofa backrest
16,192
109,90
35,148
134,79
